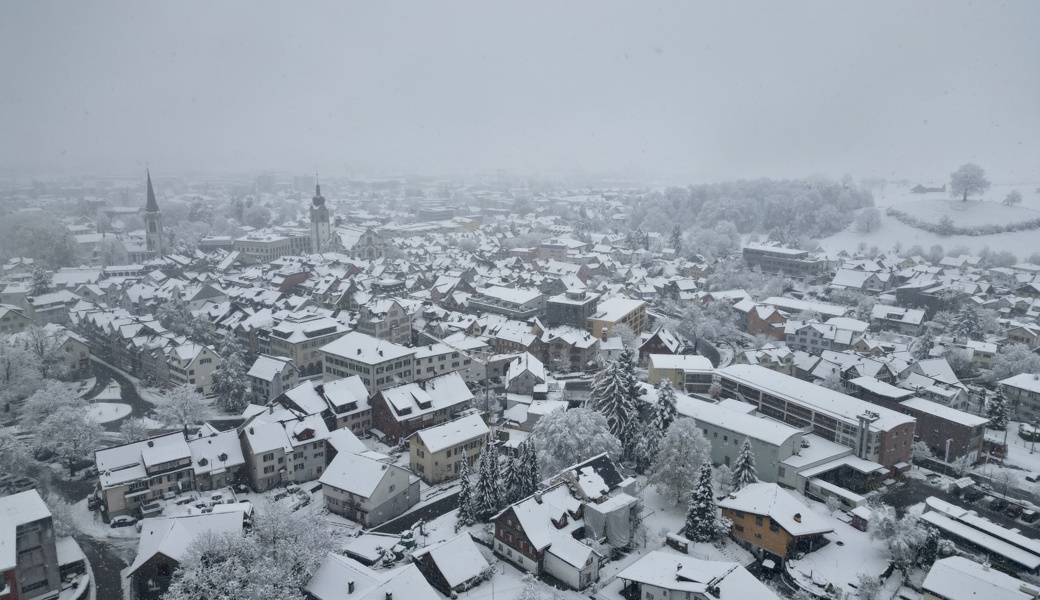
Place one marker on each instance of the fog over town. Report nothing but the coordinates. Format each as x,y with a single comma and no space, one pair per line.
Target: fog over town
342,300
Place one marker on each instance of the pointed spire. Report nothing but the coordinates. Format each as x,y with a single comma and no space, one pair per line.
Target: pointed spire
152,205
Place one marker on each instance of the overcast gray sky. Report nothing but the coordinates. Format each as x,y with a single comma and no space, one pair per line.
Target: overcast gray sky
697,91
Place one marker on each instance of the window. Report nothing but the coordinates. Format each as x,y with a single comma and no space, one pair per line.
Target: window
268,470
738,527
392,486
758,520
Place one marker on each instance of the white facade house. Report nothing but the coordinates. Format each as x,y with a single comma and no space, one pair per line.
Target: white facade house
367,490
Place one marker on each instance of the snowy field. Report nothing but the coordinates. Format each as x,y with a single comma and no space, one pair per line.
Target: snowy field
106,412
964,214
891,231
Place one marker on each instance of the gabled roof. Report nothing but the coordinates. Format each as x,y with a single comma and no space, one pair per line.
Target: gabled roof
769,499
457,559
453,433
172,536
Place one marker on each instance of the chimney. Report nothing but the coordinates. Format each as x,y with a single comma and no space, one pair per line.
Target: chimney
389,596
251,432
350,587
797,517
538,497
359,351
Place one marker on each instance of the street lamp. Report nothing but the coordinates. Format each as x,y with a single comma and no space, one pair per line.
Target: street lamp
946,457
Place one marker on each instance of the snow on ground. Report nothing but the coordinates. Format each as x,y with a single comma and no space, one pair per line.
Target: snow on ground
106,412
840,562
1019,463
82,386
90,524
891,231
963,214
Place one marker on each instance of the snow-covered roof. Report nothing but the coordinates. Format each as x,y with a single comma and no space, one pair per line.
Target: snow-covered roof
120,464
428,396
944,412
776,502
818,397
265,367
453,433
358,347
983,540
457,559
1026,381
171,536
525,362
614,309
17,509
671,571
687,362
958,578
358,474
216,452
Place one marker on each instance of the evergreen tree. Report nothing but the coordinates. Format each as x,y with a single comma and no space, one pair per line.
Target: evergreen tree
611,397
675,241
467,513
998,412
702,520
487,497
230,382
512,480
41,282
968,323
923,348
664,411
744,472
529,461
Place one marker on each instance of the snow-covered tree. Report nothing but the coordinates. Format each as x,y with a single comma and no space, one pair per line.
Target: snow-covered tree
182,406
275,559
703,523
676,239
512,480
1014,197
744,471
968,180
724,479
968,323
920,451
487,498
41,282
536,590
48,399
961,361
62,515
997,411
832,381
133,429
467,512
565,437
1014,359
683,449
530,478
868,586
69,435
230,383
868,219
611,397
13,453
904,537
44,345
664,411
19,373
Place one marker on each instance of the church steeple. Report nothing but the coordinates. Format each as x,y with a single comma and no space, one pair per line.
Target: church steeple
153,229
152,205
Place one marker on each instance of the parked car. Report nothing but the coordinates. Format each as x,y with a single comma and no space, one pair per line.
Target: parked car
998,504
973,494
1013,511
123,521
93,502
151,510
1030,516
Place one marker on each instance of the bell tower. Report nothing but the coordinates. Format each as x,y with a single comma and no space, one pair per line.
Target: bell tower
321,230
153,229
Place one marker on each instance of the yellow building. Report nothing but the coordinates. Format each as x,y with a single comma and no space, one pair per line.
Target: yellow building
436,452
617,311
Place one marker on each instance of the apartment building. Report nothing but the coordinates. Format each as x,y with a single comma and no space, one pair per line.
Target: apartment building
617,311
437,452
131,475
874,433
385,319
379,364
300,339
192,364
281,445
400,411
1023,393
790,262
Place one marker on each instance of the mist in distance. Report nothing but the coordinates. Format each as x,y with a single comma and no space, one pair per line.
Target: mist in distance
670,91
